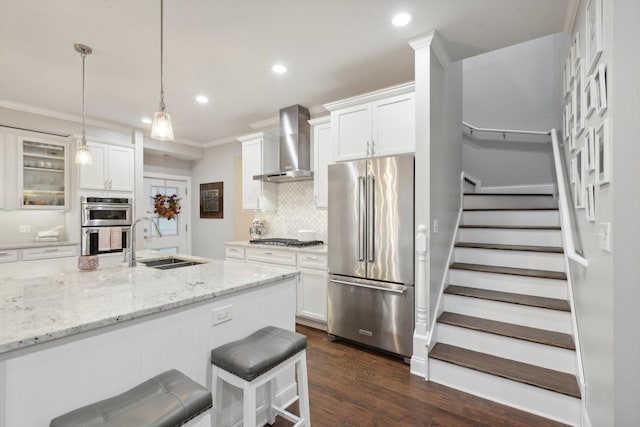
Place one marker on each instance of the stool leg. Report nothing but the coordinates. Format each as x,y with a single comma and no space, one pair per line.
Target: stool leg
216,416
249,405
271,401
303,390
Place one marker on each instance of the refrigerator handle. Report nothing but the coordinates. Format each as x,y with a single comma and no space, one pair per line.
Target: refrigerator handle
371,217
361,217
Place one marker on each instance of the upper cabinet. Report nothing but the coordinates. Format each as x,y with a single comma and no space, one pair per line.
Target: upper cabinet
259,156
380,123
112,168
321,139
43,174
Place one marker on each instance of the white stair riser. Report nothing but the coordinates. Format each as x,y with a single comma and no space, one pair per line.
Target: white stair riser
546,356
511,237
528,398
512,202
517,259
549,288
534,317
522,218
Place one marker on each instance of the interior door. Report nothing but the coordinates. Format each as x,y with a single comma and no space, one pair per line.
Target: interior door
174,231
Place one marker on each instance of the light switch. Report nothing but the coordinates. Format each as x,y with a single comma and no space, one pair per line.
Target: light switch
604,233
24,228
435,226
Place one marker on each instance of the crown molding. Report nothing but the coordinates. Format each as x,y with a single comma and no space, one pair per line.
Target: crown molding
433,40
221,141
371,96
319,120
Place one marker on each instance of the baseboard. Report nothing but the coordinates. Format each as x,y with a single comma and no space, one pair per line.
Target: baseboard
419,367
586,422
536,188
315,324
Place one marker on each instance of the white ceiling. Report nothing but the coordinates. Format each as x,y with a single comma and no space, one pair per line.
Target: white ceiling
224,49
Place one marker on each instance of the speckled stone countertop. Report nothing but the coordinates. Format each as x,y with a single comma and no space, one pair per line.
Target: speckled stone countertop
29,245
44,300
320,249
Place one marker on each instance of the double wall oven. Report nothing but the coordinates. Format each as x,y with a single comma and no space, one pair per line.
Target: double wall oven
105,224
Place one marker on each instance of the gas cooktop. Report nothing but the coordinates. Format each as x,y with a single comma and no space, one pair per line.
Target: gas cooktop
295,243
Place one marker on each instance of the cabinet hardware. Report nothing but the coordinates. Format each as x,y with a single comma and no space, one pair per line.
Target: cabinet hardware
4,253
51,250
360,285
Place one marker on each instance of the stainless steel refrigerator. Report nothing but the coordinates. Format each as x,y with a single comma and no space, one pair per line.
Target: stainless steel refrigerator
371,274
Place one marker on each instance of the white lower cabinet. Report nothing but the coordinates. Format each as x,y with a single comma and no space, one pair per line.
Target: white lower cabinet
46,253
9,255
311,296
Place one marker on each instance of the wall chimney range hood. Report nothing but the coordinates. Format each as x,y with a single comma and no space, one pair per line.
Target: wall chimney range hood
295,147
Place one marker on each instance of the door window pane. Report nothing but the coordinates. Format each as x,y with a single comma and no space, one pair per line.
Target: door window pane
168,227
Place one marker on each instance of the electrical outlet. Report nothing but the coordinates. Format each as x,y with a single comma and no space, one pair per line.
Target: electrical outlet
222,314
24,228
604,233
435,226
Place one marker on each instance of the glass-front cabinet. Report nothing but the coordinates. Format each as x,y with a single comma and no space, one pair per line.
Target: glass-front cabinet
43,174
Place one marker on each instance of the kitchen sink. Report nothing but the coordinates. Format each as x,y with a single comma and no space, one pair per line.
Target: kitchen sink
169,263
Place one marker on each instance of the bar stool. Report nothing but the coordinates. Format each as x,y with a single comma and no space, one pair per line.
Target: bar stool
256,360
167,400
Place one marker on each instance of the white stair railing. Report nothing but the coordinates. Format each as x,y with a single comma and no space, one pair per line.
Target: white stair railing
419,363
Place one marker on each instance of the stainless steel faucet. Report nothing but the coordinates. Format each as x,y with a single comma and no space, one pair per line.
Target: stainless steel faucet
132,238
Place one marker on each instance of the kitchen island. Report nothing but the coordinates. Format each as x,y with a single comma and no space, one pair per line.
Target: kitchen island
68,338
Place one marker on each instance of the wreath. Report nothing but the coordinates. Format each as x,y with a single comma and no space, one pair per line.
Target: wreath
166,206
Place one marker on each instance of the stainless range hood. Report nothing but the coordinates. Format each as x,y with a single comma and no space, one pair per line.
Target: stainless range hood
295,147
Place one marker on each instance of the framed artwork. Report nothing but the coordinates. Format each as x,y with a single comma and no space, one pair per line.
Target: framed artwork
579,179
566,131
600,80
589,98
590,146
572,140
590,211
575,52
568,76
573,171
212,200
576,103
603,153
594,44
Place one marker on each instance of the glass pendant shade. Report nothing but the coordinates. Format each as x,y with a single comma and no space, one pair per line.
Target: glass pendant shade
83,155
161,128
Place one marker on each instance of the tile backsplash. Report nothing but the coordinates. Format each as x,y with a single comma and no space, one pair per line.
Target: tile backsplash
296,211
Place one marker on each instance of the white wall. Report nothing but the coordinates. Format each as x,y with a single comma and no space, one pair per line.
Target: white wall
209,234
166,165
518,87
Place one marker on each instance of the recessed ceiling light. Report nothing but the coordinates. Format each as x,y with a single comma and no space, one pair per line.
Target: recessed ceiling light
202,99
401,19
279,68
146,120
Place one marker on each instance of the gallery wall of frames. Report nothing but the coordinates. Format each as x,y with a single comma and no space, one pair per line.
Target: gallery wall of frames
585,122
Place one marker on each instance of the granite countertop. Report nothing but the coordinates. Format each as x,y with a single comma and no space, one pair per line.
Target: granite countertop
321,249
29,245
44,300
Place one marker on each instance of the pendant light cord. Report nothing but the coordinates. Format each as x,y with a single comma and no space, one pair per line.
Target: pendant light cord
84,132
162,105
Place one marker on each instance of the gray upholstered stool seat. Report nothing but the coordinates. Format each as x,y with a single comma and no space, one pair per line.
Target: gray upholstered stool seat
254,355
255,361
166,400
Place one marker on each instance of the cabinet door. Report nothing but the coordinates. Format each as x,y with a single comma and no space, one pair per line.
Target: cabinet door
251,165
351,132
93,177
321,158
394,125
312,295
120,169
43,177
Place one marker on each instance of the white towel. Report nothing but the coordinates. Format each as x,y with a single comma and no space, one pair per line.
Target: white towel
116,238
104,239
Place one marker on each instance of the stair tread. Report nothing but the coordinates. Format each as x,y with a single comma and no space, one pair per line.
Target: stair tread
508,297
508,209
526,248
511,330
548,379
510,270
514,227
508,194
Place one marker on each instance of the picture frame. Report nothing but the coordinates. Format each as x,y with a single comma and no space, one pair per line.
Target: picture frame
594,37
212,200
590,210
603,153
600,87
589,98
568,76
575,52
572,172
590,144
572,140
578,186
576,102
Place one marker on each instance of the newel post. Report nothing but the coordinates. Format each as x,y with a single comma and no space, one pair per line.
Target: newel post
419,359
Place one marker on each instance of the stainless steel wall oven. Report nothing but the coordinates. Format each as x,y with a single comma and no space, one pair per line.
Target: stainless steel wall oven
105,224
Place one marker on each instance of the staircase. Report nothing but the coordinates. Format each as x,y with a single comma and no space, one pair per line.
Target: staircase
505,332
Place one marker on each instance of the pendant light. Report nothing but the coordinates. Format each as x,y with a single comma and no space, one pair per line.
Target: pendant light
83,155
161,128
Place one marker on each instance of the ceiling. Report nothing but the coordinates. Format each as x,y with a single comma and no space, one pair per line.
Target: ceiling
225,49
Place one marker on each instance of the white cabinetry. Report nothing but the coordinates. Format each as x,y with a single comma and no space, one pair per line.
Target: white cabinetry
321,138
259,155
43,174
10,255
47,253
112,168
377,124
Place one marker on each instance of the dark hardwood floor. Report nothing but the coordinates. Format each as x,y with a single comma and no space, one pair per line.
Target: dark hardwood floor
351,386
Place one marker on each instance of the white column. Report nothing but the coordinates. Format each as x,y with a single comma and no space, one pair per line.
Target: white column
419,364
